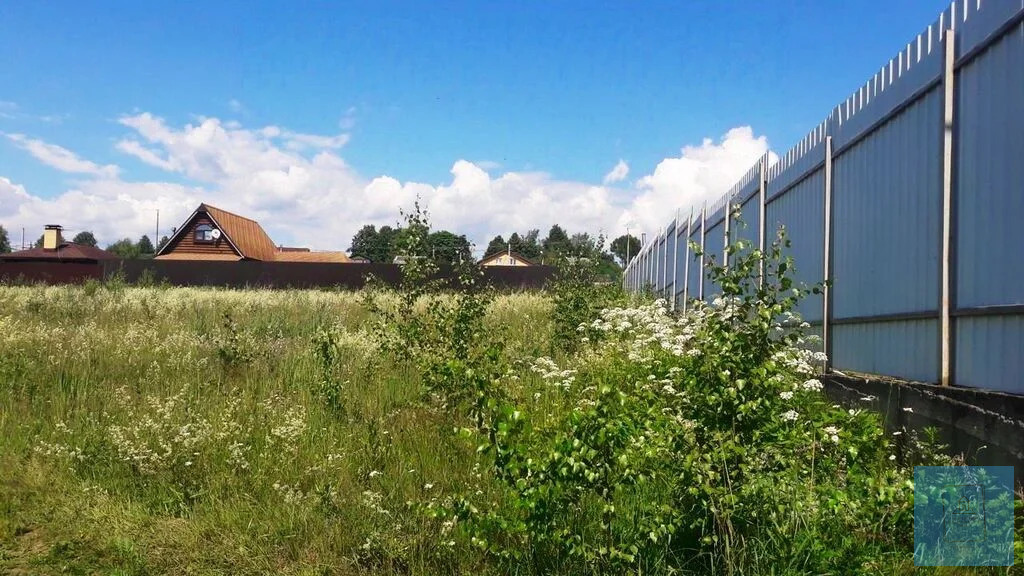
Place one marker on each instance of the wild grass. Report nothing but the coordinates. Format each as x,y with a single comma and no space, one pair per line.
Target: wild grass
203,431
178,431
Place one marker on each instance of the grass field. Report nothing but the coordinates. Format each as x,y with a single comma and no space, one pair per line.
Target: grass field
188,431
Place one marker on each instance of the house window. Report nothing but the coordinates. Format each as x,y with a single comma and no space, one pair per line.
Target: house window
204,233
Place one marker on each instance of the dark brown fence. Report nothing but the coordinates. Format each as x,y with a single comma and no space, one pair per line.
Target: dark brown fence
49,272
252,273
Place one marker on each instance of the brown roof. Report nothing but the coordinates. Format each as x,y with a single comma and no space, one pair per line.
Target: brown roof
288,256
247,235
195,256
67,252
248,238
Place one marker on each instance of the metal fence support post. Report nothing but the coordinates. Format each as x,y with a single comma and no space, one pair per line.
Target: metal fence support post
664,263
686,263
826,296
947,295
725,243
675,261
761,226
703,240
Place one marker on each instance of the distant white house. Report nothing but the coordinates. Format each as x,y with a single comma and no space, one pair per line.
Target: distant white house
507,258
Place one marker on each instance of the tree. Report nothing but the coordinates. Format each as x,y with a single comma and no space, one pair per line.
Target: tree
496,246
363,242
124,248
625,247
515,243
85,238
163,242
448,248
145,246
530,246
374,245
583,245
5,242
387,244
557,242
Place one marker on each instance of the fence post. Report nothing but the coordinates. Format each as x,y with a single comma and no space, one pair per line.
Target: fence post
826,295
664,263
761,227
675,260
725,244
947,290
703,240
686,263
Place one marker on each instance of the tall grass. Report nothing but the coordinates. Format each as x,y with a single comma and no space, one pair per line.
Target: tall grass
203,431
179,430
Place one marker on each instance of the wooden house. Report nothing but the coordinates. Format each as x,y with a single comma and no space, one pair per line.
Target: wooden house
214,234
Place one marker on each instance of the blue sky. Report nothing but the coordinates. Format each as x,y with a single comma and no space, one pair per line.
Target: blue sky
540,101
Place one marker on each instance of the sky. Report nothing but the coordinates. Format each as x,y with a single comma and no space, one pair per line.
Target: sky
316,118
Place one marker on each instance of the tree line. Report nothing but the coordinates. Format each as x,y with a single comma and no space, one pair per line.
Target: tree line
382,245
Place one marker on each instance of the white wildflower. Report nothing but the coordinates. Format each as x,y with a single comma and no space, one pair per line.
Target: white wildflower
813,384
790,415
785,395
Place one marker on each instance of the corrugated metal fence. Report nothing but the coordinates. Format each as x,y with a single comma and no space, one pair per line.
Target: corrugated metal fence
910,198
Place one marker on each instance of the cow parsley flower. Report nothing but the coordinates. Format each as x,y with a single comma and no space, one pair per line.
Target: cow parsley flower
813,384
790,415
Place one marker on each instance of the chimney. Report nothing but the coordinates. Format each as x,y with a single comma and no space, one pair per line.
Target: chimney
52,238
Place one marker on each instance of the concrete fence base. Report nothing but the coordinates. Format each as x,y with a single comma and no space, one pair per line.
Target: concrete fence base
986,427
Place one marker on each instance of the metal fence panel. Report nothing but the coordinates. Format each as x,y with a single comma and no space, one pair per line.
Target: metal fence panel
679,241
989,353
904,348
882,157
713,243
749,225
990,175
800,209
887,200
695,272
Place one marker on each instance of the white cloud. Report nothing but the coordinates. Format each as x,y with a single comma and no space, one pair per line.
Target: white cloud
700,174
236,106
348,121
618,173
304,193
61,158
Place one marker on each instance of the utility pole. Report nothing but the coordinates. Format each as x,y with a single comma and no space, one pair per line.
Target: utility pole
22,237
157,237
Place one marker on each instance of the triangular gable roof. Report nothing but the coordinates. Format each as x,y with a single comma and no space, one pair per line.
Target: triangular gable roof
245,235
517,255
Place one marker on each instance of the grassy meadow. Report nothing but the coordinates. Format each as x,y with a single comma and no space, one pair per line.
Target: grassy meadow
204,431
173,431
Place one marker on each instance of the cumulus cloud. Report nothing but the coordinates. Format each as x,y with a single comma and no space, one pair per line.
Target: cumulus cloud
304,193
61,158
699,174
618,173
